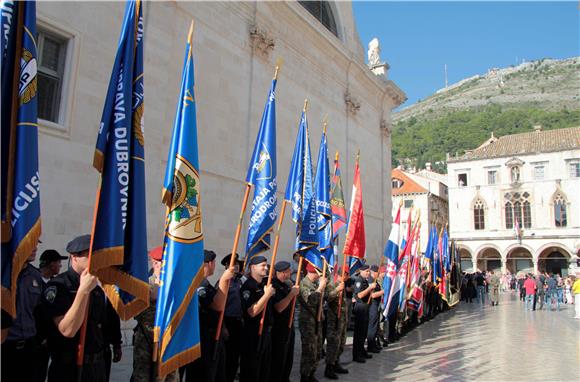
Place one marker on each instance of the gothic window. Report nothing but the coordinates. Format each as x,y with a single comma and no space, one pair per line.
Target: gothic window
478,215
322,11
560,217
518,208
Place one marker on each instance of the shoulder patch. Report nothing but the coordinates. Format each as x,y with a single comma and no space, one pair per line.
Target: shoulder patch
246,294
201,292
50,294
358,284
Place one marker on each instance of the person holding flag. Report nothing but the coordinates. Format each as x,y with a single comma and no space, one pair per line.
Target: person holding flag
21,282
391,260
256,304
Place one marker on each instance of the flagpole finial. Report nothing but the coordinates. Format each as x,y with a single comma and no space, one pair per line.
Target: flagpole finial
190,33
336,156
305,105
400,203
358,155
279,63
324,123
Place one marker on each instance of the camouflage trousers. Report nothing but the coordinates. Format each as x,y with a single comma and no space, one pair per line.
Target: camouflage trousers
311,336
335,337
144,370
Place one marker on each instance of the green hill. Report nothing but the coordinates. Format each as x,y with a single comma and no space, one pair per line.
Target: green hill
504,101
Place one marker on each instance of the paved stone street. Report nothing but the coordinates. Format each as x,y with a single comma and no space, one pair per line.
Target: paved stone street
468,343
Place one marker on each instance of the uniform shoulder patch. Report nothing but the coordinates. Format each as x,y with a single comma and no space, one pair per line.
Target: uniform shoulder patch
246,294
201,292
50,294
358,284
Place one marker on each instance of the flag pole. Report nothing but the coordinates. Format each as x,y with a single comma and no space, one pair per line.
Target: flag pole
83,332
297,283
235,245
273,262
344,254
319,315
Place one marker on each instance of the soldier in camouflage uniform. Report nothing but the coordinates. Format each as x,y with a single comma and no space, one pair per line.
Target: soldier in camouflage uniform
336,330
311,291
144,370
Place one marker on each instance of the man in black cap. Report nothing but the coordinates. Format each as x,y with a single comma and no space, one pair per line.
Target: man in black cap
374,306
233,319
256,349
65,301
208,368
362,290
50,265
282,335
22,358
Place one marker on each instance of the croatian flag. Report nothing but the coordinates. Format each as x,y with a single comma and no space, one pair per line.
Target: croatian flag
391,261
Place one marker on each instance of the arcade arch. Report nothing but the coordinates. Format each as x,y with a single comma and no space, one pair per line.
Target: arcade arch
519,259
554,258
489,258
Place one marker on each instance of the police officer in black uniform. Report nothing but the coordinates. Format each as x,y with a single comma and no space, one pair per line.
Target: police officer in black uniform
210,366
22,352
65,301
233,321
375,302
256,349
362,290
282,335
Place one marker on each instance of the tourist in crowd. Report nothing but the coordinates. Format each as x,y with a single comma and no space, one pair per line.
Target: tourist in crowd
540,295
480,282
568,299
552,292
530,290
576,293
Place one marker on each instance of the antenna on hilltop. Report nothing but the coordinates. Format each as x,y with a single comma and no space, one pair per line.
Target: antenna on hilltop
445,76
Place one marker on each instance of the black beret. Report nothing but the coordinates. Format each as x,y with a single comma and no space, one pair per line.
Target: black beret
282,266
49,256
364,267
79,244
208,255
257,260
374,268
227,258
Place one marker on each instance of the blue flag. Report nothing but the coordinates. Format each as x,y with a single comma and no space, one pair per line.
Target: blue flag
20,180
262,175
354,264
300,193
177,316
119,256
446,256
322,184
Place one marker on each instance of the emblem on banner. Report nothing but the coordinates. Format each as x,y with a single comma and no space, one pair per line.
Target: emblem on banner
185,216
264,165
27,86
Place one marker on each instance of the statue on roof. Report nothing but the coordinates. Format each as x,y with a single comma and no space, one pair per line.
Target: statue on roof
374,52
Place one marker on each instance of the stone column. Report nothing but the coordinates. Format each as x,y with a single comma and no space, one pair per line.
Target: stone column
535,266
503,265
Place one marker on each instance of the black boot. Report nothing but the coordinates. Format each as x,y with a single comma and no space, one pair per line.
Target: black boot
313,378
339,369
329,372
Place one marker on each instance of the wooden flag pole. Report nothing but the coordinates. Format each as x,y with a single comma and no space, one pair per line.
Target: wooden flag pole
297,283
83,330
319,313
273,261
233,257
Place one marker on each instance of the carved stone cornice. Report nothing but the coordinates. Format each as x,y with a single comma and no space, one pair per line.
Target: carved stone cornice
352,104
261,41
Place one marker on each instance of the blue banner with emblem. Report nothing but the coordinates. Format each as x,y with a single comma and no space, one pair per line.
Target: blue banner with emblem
20,179
119,255
177,317
262,175
323,208
300,193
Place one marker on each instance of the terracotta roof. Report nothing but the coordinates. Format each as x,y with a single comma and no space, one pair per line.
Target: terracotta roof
409,185
525,143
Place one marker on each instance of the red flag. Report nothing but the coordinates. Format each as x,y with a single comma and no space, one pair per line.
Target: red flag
355,236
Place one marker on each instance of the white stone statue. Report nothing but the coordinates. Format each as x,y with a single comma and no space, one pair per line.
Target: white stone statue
373,52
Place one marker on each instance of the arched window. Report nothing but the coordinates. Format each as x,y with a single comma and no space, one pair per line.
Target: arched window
518,208
560,218
323,13
478,215
509,215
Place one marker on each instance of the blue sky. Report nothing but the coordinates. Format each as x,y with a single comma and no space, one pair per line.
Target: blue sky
418,38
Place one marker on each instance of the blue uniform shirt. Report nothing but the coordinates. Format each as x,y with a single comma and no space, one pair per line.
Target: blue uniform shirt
28,292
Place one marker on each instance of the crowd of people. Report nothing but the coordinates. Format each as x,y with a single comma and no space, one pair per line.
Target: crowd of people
535,291
258,334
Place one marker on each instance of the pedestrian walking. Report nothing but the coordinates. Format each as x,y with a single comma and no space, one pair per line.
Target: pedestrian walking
494,282
530,289
576,293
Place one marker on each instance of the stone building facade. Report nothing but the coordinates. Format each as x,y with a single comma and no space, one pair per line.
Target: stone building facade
514,203
236,46
425,191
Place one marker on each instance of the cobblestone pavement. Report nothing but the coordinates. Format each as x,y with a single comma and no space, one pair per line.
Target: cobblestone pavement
471,342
